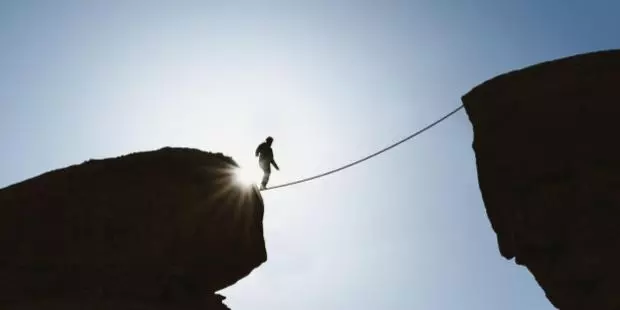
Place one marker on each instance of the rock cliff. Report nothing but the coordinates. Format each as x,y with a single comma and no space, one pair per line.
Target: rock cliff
155,230
548,162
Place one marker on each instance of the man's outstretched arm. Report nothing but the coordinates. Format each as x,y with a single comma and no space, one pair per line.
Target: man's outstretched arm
273,162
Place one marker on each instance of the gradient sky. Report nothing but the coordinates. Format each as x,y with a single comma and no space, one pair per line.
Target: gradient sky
332,81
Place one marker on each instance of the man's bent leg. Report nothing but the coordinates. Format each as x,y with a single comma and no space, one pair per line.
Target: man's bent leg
266,166
265,179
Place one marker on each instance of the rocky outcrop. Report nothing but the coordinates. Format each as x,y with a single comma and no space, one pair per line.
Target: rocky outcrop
154,230
545,139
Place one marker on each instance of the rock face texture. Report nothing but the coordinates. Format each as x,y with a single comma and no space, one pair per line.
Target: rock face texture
154,230
548,161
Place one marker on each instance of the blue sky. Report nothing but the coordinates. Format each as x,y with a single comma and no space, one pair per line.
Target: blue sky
332,81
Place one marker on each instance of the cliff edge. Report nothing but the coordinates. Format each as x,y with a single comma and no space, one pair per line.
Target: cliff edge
545,139
164,229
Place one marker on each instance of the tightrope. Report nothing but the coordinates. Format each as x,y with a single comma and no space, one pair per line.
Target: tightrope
359,161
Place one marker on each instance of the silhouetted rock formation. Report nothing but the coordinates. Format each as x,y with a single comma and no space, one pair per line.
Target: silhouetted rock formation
154,230
545,139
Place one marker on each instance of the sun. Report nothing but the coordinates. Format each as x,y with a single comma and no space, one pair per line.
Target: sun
246,176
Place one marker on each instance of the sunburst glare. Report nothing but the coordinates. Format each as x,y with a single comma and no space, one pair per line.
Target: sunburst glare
246,176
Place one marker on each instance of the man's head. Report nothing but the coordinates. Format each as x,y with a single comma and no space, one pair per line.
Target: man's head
269,140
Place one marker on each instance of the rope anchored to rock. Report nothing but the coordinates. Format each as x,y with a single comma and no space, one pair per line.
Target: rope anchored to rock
359,161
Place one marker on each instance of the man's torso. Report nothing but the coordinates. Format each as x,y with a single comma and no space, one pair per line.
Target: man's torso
265,153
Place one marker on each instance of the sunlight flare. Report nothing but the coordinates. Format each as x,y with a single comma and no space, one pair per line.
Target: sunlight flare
246,176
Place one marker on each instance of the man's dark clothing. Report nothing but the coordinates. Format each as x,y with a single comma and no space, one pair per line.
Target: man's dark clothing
264,152
265,160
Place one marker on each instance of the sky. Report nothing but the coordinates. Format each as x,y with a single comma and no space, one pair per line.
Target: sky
331,81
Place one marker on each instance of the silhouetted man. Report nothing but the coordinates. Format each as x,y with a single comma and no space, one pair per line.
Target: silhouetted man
265,160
